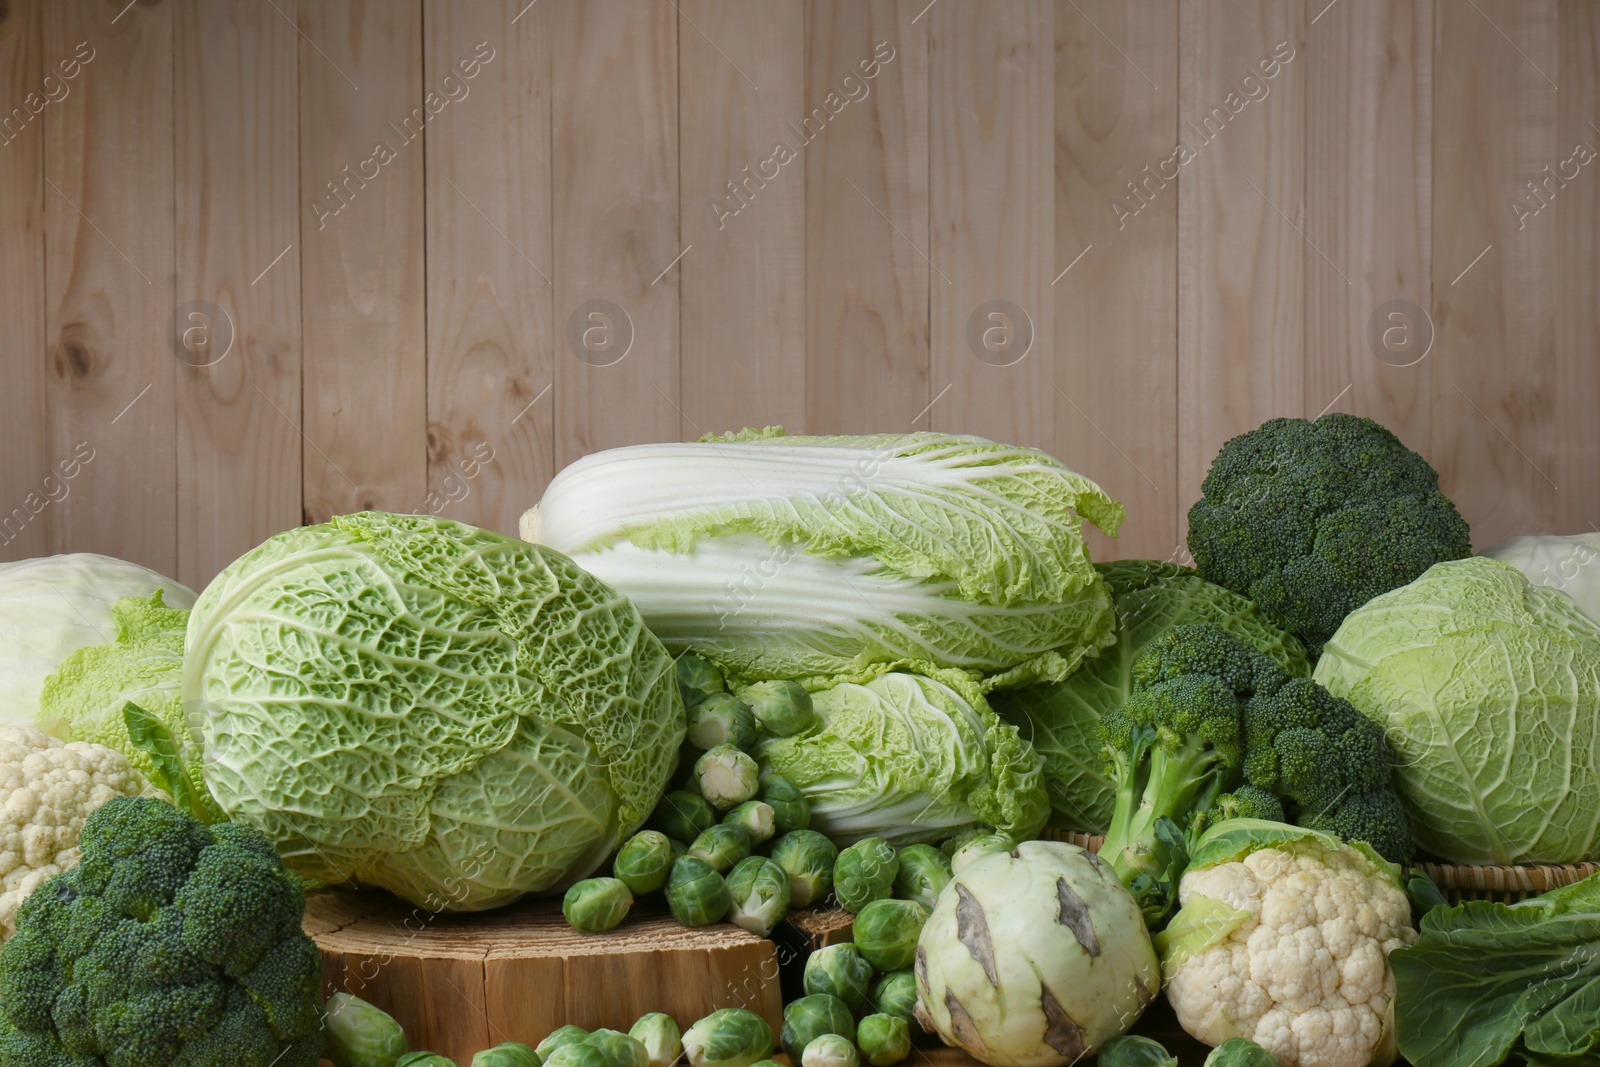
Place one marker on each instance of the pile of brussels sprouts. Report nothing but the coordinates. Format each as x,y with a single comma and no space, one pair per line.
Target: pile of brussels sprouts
358,1034
705,840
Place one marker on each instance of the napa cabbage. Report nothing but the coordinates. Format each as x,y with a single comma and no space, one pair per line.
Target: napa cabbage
830,558
448,713
1489,690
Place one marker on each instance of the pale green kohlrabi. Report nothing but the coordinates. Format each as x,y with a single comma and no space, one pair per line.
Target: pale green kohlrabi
54,605
1062,718
911,758
828,558
1570,564
1489,690
448,713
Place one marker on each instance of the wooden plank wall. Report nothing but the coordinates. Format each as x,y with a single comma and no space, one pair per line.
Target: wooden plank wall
264,261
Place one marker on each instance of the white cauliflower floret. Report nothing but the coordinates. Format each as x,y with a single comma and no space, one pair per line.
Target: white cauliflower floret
48,787
1306,973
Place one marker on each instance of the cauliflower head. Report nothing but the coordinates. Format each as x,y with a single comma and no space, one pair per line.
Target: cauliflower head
1288,946
48,787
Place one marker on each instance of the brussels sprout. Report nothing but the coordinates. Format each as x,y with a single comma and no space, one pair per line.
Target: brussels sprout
696,893
1131,1051
839,971
566,1035
624,1051
681,815
810,1017
424,1059
809,859
361,1035
721,719
721,846
727,776
660,1036
972,833
731,1037
864,872
1240,1052
895,994
698,679
596,904
643,861
759,890
979,847
756,817
782,708
507,1054
790,809
581,1054
830,1050
924,871
884,1039
886,932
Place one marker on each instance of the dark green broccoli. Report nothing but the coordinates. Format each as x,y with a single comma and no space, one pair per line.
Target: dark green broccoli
1215,729
170,943
1313,519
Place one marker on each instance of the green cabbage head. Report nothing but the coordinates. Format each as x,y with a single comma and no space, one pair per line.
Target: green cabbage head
1489,690
448,713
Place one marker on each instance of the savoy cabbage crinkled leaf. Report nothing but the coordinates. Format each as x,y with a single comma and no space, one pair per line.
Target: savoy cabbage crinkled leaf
1489,691
1062,718
910,757
1487,980
446,712
828,558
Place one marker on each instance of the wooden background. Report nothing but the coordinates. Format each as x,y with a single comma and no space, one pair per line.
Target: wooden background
382,350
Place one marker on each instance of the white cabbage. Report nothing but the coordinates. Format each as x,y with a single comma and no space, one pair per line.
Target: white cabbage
1570,564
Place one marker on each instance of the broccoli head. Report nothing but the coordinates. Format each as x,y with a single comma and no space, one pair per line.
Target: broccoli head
170,943
1215,729
1313,519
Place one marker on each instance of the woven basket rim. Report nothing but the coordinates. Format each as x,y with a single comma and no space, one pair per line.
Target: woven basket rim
1530,877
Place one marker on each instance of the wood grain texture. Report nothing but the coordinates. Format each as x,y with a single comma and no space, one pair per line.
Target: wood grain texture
25,460
236,121
1369,183
742,77
362,116
991,85
1498,373
867,266
1243,262
1116,354
109,280
491,333
614,145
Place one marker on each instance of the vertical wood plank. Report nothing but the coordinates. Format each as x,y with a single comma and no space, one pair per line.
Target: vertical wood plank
866,160
1369,183
1577,267
1243,265
742,77
236,118
490,330
1116,353
25,460
362,112
109,281
1497,441
614,146
992,205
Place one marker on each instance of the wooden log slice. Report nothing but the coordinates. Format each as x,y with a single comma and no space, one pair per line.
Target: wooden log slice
461,983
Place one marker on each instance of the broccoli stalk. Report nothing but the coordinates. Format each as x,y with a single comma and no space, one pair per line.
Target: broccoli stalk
1155,781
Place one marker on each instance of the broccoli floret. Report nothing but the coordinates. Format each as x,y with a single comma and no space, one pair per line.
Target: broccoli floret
1313,519
170,943
1215,729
